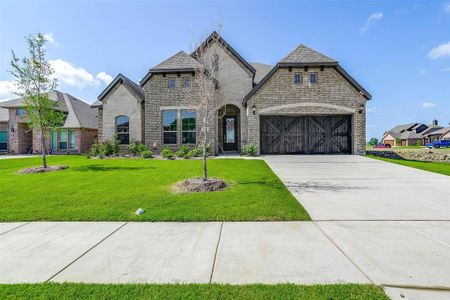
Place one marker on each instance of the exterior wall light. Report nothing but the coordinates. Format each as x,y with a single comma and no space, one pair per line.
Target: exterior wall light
254,109
361,108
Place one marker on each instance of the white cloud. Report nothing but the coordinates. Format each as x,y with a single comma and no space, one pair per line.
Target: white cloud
428,104
446,7
370,126
372,109
75,76
7,90
440,51
51,39
106,78
374,18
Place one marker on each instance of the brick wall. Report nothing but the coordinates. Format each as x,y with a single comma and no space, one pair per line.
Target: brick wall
332,94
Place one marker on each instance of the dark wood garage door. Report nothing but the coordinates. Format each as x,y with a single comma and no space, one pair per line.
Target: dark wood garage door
305,134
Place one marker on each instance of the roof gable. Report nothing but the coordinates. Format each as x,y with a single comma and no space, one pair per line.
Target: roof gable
305,55
214,35
179,61
121,79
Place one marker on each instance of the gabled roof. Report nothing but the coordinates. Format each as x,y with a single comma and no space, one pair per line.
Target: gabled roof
215,35
78,113
180,62
54,95
121,79
261,71
303,56
441,131
401,128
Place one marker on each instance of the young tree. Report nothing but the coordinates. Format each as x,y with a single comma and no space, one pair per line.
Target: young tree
206,82
33,77
373,141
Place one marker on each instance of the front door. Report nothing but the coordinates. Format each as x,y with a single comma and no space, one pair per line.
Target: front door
230,134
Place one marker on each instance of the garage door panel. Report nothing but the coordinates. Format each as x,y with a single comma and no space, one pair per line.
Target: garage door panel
305,134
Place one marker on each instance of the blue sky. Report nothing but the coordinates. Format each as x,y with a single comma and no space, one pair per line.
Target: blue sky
399,51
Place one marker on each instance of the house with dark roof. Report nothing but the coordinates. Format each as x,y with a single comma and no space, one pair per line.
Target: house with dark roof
412,134
306,104
77,134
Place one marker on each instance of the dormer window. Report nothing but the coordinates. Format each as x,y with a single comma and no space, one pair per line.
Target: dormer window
186,82
20,112
171,83
313,78
297,78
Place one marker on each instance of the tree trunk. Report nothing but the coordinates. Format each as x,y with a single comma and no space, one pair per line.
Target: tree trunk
44,150
205,169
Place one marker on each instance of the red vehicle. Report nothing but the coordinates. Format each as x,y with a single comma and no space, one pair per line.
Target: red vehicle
380,146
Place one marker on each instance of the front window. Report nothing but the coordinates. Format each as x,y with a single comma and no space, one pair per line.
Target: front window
3,141
123,130
63,139
170,126
20,112
297,78
186,82
188,122
313,77
72,139
54,139
171,83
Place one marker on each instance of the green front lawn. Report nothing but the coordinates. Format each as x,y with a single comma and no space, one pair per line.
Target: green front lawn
190,291
436,167
113,189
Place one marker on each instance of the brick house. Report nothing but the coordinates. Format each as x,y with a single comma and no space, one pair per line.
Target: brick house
307,104
413,134
75,136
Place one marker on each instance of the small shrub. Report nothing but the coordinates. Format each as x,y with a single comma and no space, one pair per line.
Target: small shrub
133,148
198,151
147,154
141,148
101,150
167,153
249,150
183,151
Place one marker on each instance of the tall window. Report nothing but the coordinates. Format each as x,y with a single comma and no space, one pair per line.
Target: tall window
297,78
186,82
3,141
188,121
63,139
54,139
215,62
123,130
170,126
171,83
313,77
72,139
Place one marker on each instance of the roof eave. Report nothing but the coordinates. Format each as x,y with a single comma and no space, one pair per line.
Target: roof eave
307,64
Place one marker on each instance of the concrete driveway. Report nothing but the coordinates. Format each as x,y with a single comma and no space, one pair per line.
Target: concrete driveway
350,187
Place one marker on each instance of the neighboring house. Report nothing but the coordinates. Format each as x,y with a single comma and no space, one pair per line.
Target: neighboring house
440,134
75,136
306,103
411,134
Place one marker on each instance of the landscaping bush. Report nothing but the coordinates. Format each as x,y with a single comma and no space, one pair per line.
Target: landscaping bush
138,149
167,153
147,154
198,151
101,150
249,150
133,148
183,152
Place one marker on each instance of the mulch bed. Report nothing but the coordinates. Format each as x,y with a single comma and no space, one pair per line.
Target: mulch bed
34,170
199,185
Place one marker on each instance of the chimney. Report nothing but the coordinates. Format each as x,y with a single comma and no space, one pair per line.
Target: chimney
435,122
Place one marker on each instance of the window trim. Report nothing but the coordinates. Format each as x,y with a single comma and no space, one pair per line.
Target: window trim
310,77
177,115
295,78
123,133
169,80
191,130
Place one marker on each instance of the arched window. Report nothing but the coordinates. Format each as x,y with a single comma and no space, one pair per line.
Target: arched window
123,129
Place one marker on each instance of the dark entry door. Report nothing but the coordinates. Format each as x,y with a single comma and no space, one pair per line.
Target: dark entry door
230,134
305,134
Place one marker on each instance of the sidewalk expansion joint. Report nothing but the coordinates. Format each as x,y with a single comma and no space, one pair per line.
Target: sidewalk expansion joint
15,228
88,250
345,254
417,287
215,253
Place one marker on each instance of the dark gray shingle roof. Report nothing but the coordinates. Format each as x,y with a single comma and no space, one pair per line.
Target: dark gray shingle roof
305,55
401,128
84,114
56,96
261,71
180,61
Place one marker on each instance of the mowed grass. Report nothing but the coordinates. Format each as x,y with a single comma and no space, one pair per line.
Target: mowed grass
436,167
190,291
113,189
